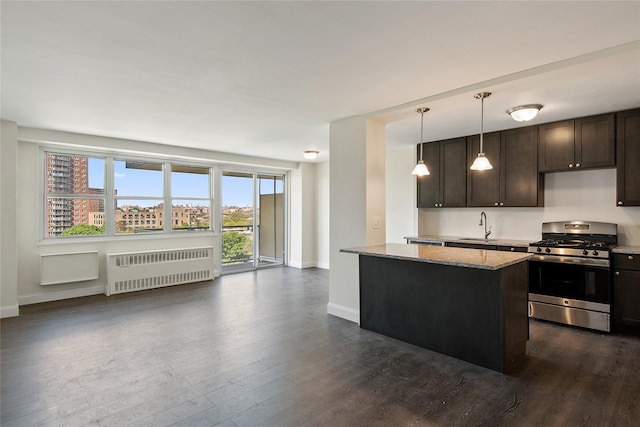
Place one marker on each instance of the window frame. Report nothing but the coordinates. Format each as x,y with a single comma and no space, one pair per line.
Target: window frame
110,198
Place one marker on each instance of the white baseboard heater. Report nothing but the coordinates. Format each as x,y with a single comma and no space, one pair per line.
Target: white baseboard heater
137,271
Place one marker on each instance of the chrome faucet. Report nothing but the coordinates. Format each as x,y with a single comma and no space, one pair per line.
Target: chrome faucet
486,233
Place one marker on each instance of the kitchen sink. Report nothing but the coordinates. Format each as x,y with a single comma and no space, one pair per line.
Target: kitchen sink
476,239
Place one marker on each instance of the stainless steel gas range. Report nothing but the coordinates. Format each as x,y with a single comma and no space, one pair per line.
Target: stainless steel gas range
570,275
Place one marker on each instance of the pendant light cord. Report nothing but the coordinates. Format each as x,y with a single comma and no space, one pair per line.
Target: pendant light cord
422,110
481,123
421,133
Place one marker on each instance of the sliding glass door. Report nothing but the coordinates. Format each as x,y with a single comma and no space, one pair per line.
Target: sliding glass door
270,220
253,221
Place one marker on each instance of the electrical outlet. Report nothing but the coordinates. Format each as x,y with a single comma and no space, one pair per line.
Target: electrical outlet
376,222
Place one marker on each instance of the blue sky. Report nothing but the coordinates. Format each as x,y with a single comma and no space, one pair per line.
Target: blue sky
236,191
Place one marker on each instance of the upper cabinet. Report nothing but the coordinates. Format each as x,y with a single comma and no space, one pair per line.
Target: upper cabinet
628,170
587,142
522,185
514,180
446,186
483,187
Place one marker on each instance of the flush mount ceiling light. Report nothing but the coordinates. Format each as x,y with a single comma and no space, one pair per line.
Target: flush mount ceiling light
310,154
481,163
524,113
421,169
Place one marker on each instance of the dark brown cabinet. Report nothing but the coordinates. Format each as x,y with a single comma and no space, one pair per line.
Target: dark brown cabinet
514,180
483,187
628,168
446,186
584,143
485,246
512,248
471,246
626,290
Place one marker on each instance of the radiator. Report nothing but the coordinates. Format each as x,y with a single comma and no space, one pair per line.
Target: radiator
68,267
136,271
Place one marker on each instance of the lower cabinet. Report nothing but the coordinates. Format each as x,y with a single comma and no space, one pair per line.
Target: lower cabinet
485,246
626,290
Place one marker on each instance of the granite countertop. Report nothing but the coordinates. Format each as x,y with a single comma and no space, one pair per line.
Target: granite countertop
479,241
461,257
626,250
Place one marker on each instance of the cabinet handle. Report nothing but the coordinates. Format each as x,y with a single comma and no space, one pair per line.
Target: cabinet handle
570,165
495,204
501,204
617,273
513,249
620,203
630,257
436,205
577,165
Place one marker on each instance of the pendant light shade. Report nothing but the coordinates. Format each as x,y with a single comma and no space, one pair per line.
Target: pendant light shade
421,169
481,163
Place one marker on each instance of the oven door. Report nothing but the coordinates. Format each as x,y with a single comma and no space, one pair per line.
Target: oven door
572,281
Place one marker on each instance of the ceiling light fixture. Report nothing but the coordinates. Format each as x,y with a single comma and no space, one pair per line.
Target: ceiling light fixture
310,154
421,169
523,113
481,163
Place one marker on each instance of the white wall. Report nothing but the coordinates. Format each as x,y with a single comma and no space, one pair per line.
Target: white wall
588,195
303,217
402,215
26,215
8,220
357,196
323,212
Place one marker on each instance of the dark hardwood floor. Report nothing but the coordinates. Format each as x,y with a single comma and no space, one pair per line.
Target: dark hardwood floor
258,348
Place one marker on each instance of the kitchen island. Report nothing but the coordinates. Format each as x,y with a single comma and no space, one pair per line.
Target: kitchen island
470,304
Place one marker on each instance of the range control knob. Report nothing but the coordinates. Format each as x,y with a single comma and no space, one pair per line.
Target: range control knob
547,250
539,249
595,253
585,252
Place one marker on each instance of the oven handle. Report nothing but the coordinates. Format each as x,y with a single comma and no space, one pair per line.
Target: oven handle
593,262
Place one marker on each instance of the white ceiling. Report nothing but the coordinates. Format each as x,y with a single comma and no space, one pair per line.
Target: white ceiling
267,78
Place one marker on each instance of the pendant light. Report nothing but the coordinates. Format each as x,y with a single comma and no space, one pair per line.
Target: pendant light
481,163
421,169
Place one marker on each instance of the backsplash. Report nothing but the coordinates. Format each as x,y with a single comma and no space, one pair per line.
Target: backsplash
588,195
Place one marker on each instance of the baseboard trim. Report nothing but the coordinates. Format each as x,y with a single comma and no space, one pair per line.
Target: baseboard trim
323,265
9,311
344,312
301,265
60,295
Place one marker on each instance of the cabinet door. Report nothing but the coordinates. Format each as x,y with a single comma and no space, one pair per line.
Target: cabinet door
483,187
471,246
520,182
453,175
626,294
628,161
595,141
512,248
556,146
429,195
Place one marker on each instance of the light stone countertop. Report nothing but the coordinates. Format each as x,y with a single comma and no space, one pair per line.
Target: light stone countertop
626,250
441,239
461,257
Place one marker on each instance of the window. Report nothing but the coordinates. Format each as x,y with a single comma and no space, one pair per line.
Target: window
78,187
138,190
74,195
190,198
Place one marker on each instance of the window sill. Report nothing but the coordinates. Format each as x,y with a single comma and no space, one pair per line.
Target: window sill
125,238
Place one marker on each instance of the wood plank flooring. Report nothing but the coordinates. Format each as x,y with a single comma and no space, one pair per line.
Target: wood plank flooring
258,348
